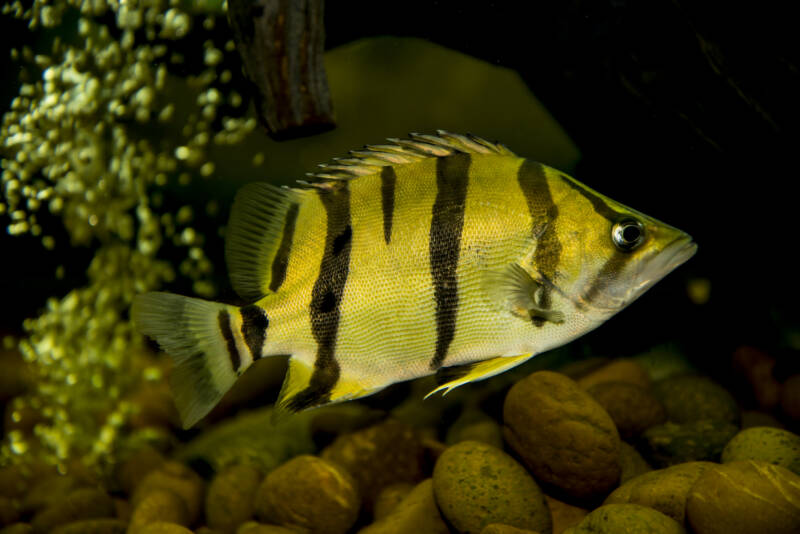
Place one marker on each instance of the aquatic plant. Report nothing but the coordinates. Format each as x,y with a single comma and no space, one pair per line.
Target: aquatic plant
100,125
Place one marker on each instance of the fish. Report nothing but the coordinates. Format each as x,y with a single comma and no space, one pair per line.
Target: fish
439,253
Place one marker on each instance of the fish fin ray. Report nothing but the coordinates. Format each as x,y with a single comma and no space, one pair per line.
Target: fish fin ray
458,375
188,330
371,158
297,380
514,288
253,239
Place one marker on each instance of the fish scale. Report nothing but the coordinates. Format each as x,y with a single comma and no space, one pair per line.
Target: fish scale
440,253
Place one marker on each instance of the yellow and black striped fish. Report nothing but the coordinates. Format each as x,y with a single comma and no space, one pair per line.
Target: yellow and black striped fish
436,254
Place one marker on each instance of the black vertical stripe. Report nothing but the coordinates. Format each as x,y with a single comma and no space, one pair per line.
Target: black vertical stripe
281,260
533,182
599,205
388,180
254,329
224,321
452,177
326,299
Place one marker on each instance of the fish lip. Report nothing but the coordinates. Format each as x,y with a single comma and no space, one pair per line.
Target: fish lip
673,255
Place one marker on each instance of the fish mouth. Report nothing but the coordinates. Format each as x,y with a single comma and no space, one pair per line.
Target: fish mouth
674,254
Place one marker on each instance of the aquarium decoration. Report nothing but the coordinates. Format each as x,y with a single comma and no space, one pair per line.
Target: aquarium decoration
81,148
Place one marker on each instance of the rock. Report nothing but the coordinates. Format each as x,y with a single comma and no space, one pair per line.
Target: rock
628,518
631,463
476,484
46,491
242,439
229,500
663,362
672,443
564,515
251,527
15,481
157,506
9,511
180,480
380,455
690,398
311,493
389,497
621,370
665,490
632,408
771,445
475,425
416,513
92,526
790,397
562,434
154,406
757,367
744,497
751,418
17,528
132,470
164,528
83,503
499,528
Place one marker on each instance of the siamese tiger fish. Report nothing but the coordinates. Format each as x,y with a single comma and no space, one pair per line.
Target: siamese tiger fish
443,254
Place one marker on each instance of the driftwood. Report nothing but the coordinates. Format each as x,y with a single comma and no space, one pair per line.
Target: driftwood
282,44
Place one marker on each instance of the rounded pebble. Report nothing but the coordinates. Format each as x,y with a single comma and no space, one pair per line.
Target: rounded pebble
251,527
417,513
46,491
562,434
180,480
627,518
499,528
771,445
751,418
164,528
475,425
378,456
690,398
9,511
83,503
229,500
745,497
311,493
631,463
672,443
476,484
17,528
389,497
158,505
136,466
665,490
632,408
621,370
790,397
564,515
92,526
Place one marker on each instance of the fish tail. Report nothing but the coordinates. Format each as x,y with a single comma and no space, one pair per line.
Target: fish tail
209,342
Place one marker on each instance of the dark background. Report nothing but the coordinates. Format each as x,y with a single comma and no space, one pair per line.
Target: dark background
686,110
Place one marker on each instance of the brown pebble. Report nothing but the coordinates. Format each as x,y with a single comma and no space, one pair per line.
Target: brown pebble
621,370
158,505
790,397
631,463
564,515
378,456
744,497
499,528
132,470
251,527
83,503
753,418
229,500
93,526
14,481
476,426
17,528
179,479
389,497
9,511
689,397
757,367
154,406
632,408
417,513
665,490
46,491
163,527
311,493
562,434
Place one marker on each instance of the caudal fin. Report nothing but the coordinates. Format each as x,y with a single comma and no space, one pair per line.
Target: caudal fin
198,336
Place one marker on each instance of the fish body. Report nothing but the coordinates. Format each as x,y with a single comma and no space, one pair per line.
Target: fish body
440,254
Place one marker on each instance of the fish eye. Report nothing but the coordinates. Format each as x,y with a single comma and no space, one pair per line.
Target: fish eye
627,234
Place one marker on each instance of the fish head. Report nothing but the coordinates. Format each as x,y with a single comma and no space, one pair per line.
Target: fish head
611,254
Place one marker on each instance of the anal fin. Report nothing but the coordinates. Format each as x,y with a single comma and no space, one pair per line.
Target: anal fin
458,375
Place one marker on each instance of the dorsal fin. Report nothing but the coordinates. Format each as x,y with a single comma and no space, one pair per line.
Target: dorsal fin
371,158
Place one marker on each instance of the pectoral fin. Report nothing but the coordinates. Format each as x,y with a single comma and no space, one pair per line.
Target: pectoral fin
515,288
458,375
